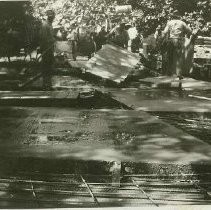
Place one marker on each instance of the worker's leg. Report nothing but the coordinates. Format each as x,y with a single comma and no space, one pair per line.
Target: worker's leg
47,77
48,80
171,58
47,70
164,53
189,54
180,63
176,57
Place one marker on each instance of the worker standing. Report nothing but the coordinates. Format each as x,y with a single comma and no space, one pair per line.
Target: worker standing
47,41
101,38
175,33
121,36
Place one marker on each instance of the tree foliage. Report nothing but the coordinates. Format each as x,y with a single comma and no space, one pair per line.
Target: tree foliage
155,12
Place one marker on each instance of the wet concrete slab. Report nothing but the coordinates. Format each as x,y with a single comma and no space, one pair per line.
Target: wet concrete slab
187,83
112,63
161,100
101,135
197,124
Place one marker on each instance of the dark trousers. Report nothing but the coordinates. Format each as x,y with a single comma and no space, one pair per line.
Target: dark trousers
47,69
175,56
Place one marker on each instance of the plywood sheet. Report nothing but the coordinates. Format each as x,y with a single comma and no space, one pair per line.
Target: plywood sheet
112,63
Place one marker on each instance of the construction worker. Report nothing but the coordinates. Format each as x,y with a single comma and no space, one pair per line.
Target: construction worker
121,36
175,33
101,38
47,41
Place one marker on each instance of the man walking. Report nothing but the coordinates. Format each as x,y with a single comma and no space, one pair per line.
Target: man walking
175,33
47,49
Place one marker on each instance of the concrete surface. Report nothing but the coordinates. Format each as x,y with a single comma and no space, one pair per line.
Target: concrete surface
187,83
105,135
161,100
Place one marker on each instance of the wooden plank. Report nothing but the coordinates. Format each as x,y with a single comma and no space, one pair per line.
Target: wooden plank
37,94
200,97
40,98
